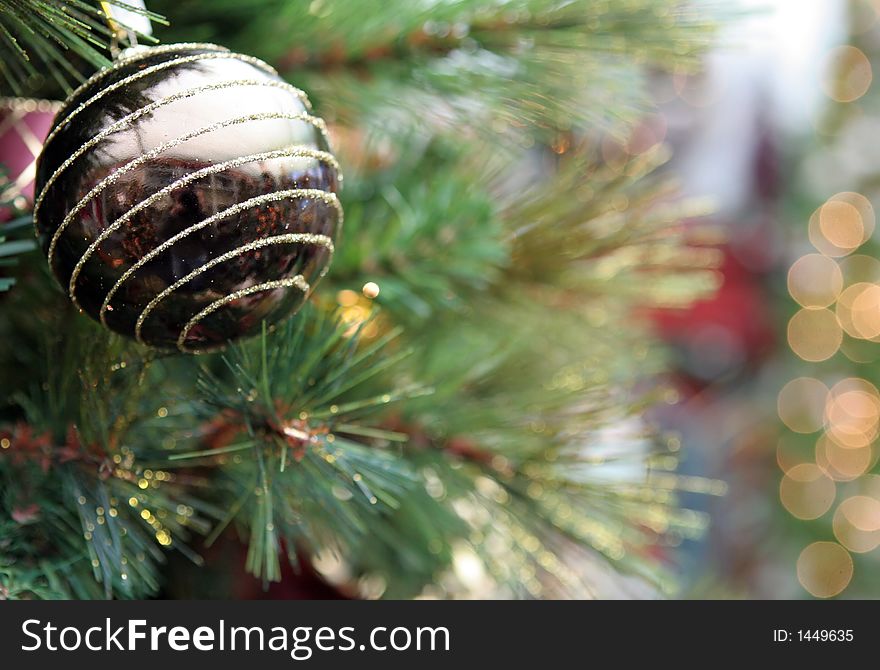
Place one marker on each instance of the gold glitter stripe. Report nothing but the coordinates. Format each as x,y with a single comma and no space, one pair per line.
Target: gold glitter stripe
324,196
290,238
298,282
114,176
256,62
183,181
143,52
148,109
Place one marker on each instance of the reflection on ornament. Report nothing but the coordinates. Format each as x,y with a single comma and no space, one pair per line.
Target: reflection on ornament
185,195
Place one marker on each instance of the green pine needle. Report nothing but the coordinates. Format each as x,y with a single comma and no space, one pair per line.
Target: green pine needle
47,36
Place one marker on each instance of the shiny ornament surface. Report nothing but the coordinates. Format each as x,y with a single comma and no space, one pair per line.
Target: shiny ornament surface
186,195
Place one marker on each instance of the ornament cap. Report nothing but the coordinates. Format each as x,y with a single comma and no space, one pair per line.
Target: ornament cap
134,50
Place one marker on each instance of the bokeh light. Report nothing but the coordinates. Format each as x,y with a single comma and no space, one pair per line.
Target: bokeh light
853,413
858,310
848,74
864,208
865,312
815,281
857,524
824,569
806,491
829,477
801,404
840,223
841,463
818,238
814,334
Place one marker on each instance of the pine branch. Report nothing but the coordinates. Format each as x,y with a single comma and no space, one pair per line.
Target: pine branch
344,33
449,227
516,288
286,421
431,238
82,510
486,66
44,36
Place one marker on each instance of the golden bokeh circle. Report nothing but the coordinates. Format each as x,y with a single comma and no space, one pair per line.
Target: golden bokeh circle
852,413
815,280
807,491
841,224
865,312
814,334
858,311
801,404
857,524
848,74
841,463
864,208
820,242
824,569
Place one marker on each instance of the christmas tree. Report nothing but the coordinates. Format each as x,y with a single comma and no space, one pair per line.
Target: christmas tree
457,409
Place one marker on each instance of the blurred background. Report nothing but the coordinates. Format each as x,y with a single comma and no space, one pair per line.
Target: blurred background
778,373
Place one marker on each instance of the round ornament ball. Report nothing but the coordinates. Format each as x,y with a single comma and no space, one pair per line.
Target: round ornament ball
186,195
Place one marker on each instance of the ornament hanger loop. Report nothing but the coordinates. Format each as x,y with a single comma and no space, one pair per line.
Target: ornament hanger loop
126,23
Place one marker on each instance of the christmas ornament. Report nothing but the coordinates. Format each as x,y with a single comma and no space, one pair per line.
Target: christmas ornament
185,195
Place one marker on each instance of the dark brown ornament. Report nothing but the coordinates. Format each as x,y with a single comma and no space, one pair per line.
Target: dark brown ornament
185,195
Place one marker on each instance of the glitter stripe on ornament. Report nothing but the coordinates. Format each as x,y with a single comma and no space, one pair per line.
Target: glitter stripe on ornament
322,156
290,238
298,281
325,196
141,52
127,120
223,55
305,152
153,153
